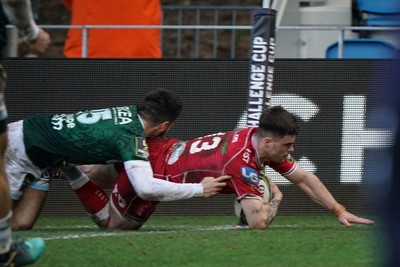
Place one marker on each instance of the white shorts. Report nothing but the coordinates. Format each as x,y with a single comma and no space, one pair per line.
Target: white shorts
18,164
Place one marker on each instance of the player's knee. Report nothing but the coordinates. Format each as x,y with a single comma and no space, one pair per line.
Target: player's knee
123,224
21,225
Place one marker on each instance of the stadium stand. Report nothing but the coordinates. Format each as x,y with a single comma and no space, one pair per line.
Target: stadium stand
377,13
363,48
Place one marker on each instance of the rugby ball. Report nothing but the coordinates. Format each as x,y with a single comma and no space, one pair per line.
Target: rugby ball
265,189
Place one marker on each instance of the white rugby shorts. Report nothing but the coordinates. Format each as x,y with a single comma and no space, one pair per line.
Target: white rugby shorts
18,164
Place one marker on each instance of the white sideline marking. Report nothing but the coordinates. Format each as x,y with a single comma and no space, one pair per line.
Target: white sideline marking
133,232
161,229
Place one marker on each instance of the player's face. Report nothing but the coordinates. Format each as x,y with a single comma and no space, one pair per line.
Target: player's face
277,150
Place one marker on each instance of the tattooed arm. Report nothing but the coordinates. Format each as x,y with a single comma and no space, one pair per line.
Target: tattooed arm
273,205
259,215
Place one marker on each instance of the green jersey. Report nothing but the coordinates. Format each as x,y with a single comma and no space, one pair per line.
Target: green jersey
90,137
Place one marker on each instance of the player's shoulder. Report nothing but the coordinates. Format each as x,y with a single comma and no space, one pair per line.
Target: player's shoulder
238,141
241,136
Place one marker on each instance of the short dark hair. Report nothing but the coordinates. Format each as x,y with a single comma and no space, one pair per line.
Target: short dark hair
278,122
160,105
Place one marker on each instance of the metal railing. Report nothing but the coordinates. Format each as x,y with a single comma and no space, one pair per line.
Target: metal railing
198,15
186,25
340,29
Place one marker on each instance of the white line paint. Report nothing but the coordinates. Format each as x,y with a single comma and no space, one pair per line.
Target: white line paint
160,230
163,229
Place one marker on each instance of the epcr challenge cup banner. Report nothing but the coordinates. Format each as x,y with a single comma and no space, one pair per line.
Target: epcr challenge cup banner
262,58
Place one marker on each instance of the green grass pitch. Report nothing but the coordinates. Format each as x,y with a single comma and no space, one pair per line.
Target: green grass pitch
208,241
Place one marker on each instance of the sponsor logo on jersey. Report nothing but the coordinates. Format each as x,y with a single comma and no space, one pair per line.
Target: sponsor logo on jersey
249,175
123,115
142,150
176,152
246,155
58,121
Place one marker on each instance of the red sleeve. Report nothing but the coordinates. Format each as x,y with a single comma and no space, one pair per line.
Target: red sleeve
284,168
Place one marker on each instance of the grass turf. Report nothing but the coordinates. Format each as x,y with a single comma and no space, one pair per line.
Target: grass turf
208,241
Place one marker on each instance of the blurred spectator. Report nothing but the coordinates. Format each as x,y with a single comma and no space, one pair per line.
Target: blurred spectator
36,39
115,43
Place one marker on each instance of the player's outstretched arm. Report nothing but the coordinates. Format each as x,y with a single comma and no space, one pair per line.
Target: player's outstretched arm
147,187
346,218
317,191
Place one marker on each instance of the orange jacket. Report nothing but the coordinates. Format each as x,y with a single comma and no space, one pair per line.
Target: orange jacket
115,43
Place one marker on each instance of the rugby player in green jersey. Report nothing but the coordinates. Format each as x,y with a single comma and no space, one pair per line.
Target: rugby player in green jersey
42,143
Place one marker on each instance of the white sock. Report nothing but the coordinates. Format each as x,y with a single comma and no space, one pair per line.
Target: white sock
101,214
76,177
5,233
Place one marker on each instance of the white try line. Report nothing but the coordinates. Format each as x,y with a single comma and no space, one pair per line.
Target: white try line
163,229
160,230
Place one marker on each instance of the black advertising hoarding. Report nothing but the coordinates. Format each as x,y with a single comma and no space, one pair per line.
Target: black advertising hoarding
331,97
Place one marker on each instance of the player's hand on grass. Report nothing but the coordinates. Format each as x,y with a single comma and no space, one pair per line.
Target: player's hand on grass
212,186
346,218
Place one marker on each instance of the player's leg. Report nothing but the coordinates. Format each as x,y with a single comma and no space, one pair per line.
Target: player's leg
5,202
12,253
29,200
102,175
127,210
93,198
27,209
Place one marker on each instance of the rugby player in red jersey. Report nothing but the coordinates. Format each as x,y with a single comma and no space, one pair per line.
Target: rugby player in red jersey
241,154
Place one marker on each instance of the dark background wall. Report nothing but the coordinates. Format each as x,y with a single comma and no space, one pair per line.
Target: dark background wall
214,93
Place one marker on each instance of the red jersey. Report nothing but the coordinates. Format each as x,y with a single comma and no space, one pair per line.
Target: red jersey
229,153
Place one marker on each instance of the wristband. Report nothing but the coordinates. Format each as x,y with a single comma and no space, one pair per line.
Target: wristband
337,209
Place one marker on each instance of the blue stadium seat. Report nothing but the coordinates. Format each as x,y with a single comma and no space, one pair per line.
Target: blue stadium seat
379,6
363,48
380,12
